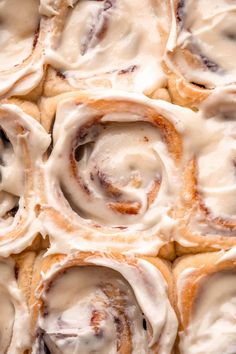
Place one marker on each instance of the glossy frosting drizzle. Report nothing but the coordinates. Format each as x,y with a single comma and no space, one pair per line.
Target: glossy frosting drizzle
205,29
110,307
212,324
14,322
109,40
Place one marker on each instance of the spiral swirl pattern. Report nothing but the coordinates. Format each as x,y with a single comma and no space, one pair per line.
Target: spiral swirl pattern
103,303
111,179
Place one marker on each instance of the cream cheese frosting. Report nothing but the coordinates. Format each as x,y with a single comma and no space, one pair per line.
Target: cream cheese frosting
14,322
24,32
20,70
211,141
108,169
23,142
206,29
118,194
103,307
18,24
212,323
110,41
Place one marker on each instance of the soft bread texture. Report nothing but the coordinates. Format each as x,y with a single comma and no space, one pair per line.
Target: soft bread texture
24,142
57,112
24,77
15,289
193,276
53,268
200,50
108,50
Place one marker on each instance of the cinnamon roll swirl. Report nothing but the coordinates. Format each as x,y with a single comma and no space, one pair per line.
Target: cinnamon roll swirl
113,176
22,34
14,319
103,303
22,143
206,304
201,48
207,208
106,44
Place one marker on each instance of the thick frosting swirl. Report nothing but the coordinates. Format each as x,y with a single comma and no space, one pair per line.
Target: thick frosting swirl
22,143
207,205
108,305
202,47
104,43
212,323
112,174
14,322
109,189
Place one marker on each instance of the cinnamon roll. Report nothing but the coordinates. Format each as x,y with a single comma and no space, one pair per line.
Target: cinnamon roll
201,49
22,34
103,303
106,44
207,208
22,144
113,176
206,304
14,320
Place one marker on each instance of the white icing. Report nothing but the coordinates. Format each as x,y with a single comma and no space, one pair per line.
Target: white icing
22,54
20,155
18,23
14,322
212,324
207,29
104,39
83,292
207,135
131,153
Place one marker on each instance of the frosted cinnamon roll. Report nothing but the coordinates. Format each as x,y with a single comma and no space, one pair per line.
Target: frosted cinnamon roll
113,176
106,44
201,48
22,33
106,303
22,143
207,209
206,304
14,319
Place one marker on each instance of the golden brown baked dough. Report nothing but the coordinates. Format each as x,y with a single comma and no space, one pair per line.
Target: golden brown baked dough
15,288
101,44
23,34
205,303
207,209
23,142
117,295
201,49
124,215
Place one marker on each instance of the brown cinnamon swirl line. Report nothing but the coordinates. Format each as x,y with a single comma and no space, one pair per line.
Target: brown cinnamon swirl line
108,49
205,303
207,209
200,50
112,176
23,142
92,301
